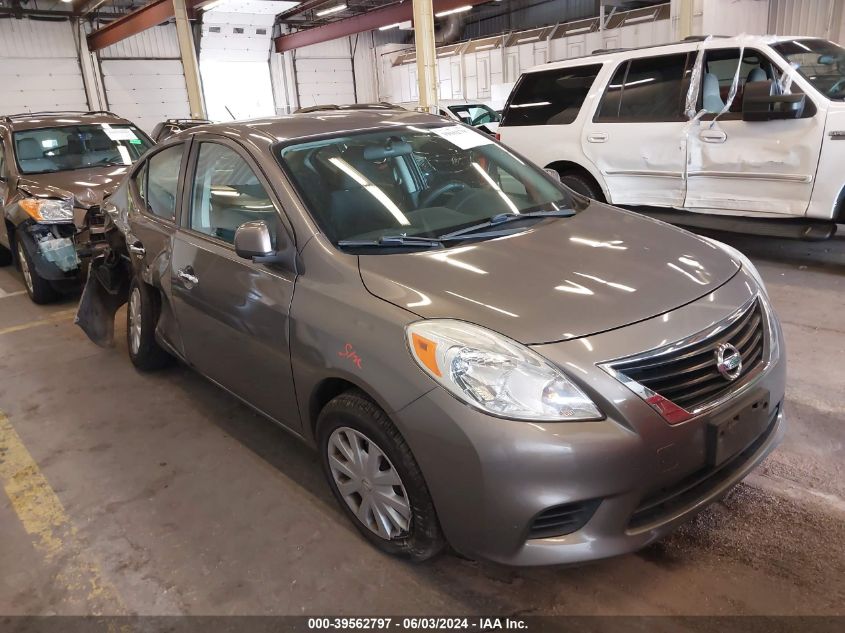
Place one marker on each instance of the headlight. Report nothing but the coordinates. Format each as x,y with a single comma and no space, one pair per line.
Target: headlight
496,374
48,211
742,259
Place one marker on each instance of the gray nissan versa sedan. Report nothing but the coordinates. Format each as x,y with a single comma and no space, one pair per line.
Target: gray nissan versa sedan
480,356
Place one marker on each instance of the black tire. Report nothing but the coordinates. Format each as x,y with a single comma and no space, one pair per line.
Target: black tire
5,256
423,538
40,290
585,185
145,352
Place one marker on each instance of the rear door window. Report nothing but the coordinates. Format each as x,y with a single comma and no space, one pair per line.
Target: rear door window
163,182
550,97
646,90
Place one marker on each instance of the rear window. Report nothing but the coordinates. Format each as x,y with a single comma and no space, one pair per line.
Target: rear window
550,97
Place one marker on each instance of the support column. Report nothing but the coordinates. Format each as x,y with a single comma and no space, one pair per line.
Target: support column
426,55
189,60
685,18
95,92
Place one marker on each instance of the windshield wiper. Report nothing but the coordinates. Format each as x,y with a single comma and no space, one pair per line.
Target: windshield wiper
503,218
391,241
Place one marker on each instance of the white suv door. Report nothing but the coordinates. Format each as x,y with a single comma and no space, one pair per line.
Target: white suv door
765,167
636,136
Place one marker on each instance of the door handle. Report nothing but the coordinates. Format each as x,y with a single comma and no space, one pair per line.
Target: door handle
713,136
597,137
189,279
136,248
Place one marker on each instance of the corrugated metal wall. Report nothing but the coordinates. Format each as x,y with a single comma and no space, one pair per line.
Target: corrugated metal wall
144,78
39,67
820,18
526,14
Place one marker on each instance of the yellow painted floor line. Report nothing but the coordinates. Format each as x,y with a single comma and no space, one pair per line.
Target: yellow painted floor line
55,317
44,518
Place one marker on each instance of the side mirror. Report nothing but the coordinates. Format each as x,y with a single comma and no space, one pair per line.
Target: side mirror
553,173
253,239
759,104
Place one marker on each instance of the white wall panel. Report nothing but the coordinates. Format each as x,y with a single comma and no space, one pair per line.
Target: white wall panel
819,18
39,67
158,42
146,91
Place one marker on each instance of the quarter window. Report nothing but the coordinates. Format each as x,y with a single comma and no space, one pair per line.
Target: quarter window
550,97
646,90
227,193
163,182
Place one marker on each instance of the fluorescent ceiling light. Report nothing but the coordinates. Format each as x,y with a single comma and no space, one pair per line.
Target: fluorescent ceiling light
466,7
583,29
330,10
389,26
484,47
528,39
213,5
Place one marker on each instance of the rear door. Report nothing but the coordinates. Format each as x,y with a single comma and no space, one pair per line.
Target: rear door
636,138
233,313
765,167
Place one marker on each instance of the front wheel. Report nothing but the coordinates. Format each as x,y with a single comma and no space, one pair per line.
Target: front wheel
141,319
579,183
40,290
376,479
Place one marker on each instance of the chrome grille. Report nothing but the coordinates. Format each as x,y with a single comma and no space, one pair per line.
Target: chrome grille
688,375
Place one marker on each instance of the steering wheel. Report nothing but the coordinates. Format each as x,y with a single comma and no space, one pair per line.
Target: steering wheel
442,190
837,87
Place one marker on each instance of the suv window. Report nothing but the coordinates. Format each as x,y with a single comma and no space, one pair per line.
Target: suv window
646,90
163,182
719,69
550,97
227,193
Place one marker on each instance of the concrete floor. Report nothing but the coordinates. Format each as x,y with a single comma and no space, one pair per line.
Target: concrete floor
160,494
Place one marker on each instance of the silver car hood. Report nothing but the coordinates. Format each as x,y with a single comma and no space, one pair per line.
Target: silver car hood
562,278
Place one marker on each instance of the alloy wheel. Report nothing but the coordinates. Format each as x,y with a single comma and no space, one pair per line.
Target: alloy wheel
135,320
24,264
368,483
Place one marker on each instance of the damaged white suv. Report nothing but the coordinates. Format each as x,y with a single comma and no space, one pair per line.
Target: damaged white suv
746,128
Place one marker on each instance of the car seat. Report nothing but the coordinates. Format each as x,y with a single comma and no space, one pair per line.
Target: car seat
31,157
712,101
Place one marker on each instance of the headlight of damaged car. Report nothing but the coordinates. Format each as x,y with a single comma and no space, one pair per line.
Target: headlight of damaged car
48,211
495,374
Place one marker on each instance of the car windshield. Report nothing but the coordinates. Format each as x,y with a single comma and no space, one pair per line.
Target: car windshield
820,62
68,147
414,181
475,114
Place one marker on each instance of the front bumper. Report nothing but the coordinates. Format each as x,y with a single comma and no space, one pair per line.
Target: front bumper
490,478
52,251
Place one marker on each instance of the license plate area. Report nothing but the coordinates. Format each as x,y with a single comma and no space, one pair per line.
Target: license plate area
736,428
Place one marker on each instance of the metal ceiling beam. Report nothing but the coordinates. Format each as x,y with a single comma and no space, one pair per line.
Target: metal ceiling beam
149,15
400,12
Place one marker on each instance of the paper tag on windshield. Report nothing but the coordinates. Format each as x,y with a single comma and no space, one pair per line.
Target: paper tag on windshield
462,137
119,134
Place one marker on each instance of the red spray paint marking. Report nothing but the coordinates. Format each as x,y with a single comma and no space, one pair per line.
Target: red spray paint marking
350,353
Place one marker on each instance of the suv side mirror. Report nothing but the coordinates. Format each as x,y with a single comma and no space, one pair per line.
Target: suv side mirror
759,104
252,239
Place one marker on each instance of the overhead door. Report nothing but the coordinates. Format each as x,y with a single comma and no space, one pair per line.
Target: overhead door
39,69
146,91
324,81
144,79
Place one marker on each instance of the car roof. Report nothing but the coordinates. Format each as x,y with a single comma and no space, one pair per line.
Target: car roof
306,124
35,120
692,43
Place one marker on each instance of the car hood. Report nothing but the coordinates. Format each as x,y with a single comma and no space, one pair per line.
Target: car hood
562,278
87,186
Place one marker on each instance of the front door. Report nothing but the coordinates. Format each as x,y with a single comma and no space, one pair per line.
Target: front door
233,313
636,135
765,167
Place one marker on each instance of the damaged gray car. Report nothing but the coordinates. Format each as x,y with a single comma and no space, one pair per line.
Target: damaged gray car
480,356
54,168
